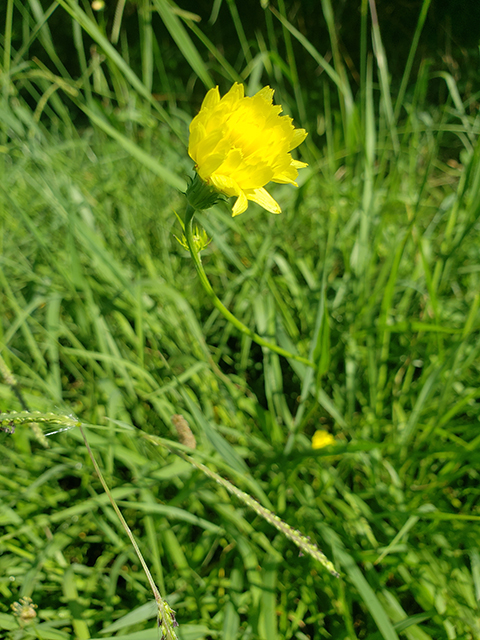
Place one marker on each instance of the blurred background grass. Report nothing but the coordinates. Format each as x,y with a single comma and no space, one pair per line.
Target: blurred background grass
372,269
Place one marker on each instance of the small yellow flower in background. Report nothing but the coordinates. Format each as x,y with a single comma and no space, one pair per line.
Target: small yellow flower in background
239,144
322,439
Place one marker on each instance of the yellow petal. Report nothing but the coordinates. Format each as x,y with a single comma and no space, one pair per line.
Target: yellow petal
286,175
225,185
241,204
299,165
266,94
252,178
233,160
210,165
236,93
298,137
197,133
264,199
211,99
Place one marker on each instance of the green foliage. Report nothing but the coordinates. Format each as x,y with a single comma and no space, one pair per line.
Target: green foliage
371,271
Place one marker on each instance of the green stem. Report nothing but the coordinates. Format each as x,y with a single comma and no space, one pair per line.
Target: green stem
189,215
164,611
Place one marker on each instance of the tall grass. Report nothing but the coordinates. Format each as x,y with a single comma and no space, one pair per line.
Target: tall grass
371,270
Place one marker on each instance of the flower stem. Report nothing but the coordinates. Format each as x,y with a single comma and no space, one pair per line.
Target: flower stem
189,215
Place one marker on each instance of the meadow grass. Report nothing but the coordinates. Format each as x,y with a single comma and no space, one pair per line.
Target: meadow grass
371,271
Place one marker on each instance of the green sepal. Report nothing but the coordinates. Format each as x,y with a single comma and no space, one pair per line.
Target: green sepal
201,195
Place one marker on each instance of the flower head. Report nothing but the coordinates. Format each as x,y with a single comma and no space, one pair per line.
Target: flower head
239,144
322,439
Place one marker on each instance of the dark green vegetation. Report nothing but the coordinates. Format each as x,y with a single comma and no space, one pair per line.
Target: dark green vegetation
371,269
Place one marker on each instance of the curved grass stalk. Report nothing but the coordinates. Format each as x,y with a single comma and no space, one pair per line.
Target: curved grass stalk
302,541
166,615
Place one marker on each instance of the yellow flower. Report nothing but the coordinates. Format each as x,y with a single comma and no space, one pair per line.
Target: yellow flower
239,144
322,439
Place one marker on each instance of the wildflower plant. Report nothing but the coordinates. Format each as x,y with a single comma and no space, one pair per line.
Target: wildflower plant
239,144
